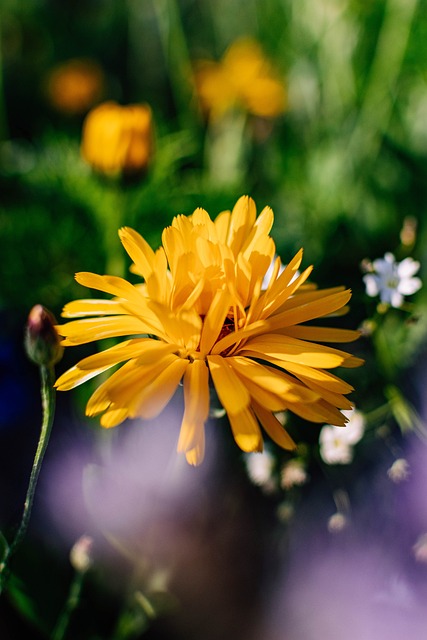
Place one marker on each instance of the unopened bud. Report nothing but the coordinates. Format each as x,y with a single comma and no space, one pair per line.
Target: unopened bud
81,554
42,342
408,234
420,548
337,523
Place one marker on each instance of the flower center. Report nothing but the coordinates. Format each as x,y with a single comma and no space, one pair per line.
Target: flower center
227,327
392,283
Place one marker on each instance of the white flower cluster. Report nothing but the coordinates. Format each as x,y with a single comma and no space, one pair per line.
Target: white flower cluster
336,443
391,280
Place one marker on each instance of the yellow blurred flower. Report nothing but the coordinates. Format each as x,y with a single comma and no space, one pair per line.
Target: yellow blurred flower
244,78
202,315
75,86
118,139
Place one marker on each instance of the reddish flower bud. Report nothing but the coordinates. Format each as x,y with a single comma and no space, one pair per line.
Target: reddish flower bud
42,342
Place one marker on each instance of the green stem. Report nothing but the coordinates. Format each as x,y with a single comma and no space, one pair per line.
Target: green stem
178,59
48,409
72,602
110,224
378,103
4,133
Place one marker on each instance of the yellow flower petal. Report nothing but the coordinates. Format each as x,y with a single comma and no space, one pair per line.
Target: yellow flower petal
139,250
222,223
92,307
321,306
275,430
324,378
231,391
109,284
113,417
75,376
319,412
242,220
156,395
214,320
196,403
322,334
196,455
289,349
90,329
145,349
260,230
259,374
246,431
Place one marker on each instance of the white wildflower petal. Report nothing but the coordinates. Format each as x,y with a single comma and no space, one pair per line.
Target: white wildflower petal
333,447
260,467
372,285
392,280
394,298
353,432
408,268
410,286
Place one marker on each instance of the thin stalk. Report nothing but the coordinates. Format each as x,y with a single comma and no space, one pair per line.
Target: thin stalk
4,133
72,602
48,409
377,107
178,59
109,214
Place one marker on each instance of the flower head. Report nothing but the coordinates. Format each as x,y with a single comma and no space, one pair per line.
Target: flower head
201,316
75,86
399,471
391,280
260,468
244,79
118,139
336,444
293,474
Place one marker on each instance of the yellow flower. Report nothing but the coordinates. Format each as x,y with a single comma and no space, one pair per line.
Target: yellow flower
118,139
244,78
75,86
203,315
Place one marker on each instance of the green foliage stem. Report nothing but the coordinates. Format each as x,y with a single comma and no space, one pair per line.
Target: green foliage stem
48,407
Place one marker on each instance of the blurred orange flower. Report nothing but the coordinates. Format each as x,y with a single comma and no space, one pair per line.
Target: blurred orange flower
118,139
244,78
75,86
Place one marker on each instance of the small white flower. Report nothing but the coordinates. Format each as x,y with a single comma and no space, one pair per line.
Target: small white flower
391,280
399,470
293,474
260,468
337,522
336,443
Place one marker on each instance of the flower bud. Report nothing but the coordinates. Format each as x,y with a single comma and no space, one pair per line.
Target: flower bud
42,343
81,554
337,523
118,140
